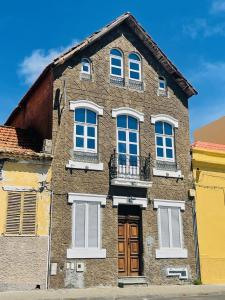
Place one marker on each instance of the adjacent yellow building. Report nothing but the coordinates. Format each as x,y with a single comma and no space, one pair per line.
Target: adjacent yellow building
25,199
208,161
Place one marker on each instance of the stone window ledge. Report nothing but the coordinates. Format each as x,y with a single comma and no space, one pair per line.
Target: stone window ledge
85,165
167,173
171,253
86,253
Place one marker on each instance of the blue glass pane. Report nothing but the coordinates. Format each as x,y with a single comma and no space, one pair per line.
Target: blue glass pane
132,123
162,85
116,71
91,117
79,142
122,148
79,130
122,159
134,56
168,129
134,75
169,153
116,52
159,152
91,131
168,142
122,121
116,62
121,135
159,127
159,141
91,144
85,68
133,137
80,115
134,66
133,149
133,161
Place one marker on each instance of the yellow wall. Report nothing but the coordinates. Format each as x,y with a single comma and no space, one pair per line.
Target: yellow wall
210,210
29,175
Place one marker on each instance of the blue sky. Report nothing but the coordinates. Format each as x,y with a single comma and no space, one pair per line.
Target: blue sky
191,33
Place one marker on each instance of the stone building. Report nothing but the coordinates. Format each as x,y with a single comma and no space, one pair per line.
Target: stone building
116,109
25,175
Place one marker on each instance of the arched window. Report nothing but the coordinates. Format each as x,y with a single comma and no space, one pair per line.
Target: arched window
134,67
162,84
164,136
116,63
85,66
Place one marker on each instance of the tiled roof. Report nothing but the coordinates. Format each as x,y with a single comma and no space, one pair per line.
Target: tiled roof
208,146
19,141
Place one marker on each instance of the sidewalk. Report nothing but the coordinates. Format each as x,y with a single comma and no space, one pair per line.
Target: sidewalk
116,293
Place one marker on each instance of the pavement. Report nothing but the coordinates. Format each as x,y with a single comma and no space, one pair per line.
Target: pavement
188,292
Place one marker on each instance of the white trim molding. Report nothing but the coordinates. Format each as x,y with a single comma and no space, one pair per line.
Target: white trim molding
142,202
72,197
169,203
18,189
171,253
131,182
128,111
166,173
86,253
164,118
85,165
86,104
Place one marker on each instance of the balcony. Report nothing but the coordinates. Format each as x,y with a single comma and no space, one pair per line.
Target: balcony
130,170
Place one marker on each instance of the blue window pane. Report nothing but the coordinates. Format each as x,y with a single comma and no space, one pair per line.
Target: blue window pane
91,131
168,142
85,68
79,130
162,85
122,148
132,123
91,117
159,141
134,66
168,129
122,159
91,144
159,152
122,121
169,153
133,149
116,71
122,135
80,115
159,127
133,161
116,52
134,56
134,75
133,137
116,62
79,142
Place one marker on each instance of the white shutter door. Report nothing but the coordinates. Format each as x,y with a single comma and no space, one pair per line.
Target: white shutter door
92,225
165,232
175,221
29,213
80,225
13,213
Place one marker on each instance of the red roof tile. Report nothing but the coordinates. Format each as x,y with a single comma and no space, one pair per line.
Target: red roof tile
208,146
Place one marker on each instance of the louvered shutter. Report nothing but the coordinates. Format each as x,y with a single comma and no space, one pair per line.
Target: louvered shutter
92,225
80,210
13,213
29,213
165,231
175,222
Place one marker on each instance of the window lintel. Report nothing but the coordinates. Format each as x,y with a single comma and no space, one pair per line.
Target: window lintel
128,111
164,118
86,104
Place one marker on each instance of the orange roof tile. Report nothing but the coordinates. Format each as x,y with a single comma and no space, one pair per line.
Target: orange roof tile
208,146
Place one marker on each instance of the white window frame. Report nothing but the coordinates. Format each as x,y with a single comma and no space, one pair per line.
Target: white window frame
86,252
114,66
89,66
170,252
162,79
132,70
164,147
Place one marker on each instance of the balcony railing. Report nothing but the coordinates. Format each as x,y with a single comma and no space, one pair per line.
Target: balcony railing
127,166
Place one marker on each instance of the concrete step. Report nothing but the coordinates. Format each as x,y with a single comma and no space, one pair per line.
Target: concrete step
132,281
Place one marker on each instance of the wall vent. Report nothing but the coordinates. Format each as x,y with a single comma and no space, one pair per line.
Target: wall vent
182,273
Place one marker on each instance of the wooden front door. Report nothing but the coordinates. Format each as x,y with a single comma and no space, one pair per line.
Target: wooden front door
129,245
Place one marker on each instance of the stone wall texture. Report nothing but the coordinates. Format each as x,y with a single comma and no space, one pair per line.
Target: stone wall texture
68,86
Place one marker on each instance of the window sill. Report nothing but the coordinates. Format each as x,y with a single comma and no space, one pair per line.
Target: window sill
86,253
85,165
166,173
171,253
131,182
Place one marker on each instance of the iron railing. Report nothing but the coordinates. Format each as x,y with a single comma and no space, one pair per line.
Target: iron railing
130,166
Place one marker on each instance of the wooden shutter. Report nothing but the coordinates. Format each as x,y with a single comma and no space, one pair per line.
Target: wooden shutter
29,213
13,213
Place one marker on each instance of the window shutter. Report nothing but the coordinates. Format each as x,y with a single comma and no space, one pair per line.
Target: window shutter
29,213
80,225
92,225
165,233
175,221
13,213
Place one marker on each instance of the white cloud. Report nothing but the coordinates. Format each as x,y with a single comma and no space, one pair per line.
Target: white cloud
218,6
32,65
